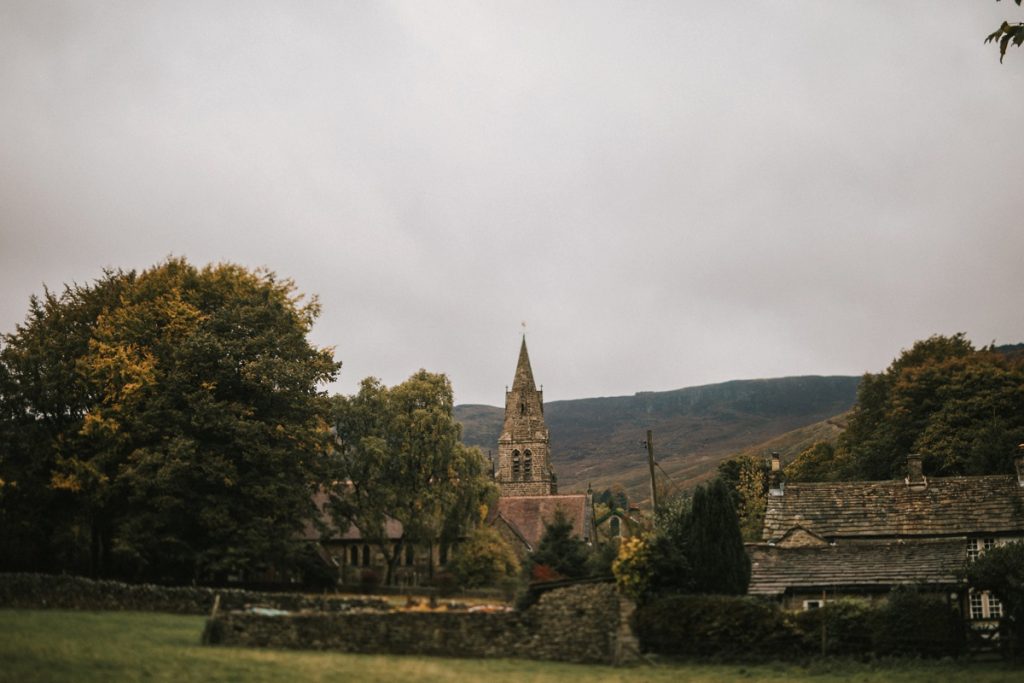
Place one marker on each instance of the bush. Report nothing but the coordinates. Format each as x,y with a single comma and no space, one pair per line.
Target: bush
848,625
484,559
716,626
912,623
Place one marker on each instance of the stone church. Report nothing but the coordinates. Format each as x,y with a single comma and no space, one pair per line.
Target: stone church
528,487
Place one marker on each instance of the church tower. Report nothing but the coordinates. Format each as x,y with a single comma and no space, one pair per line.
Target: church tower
523,465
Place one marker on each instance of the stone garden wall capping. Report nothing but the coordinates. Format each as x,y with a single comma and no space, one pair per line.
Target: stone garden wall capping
35,591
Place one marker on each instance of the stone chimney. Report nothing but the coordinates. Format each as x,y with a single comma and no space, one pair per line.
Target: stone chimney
915,477
776,487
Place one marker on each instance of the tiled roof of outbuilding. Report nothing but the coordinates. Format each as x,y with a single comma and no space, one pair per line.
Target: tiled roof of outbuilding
874,565
865,509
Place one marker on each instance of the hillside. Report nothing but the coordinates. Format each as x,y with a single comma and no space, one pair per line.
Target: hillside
600,440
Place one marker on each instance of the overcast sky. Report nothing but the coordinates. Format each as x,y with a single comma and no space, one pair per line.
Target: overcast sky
668,193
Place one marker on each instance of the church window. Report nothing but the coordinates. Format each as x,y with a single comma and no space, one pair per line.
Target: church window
353,556
527,464
515,464
366,556
522,408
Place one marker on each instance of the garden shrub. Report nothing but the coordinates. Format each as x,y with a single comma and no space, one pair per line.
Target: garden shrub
913,623
716,626
848,625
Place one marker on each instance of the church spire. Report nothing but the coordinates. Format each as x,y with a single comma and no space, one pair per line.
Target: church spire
523,465
524,373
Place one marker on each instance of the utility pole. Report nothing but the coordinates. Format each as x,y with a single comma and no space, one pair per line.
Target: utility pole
650,463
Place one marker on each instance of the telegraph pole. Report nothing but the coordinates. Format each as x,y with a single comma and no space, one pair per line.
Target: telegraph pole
650,463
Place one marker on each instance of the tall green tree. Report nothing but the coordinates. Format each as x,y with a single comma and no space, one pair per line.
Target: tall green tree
177,418
714,544
961,408
399,457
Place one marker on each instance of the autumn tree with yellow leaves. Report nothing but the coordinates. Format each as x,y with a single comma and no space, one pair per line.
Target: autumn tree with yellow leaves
167,424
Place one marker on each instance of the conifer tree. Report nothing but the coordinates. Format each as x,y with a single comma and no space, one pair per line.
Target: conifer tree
714,543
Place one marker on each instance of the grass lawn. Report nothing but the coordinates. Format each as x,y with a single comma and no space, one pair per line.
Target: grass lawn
132,646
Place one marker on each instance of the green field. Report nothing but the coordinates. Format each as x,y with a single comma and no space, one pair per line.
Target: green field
131,646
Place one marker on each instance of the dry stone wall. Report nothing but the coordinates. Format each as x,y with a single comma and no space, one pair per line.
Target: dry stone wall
575,624
35,591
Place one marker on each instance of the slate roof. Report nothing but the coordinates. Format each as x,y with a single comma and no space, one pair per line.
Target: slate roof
392,527
528,515
877,509
865,566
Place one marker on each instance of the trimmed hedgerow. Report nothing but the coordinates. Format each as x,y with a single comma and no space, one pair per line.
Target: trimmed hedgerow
741,628
717,626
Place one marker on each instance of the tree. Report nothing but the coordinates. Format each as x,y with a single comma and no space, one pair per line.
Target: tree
173,414
817,462
962,408
560,550
398,457
1001,571
1007,33
714,544
483,559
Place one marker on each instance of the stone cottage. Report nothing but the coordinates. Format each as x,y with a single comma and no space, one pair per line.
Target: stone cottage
825,540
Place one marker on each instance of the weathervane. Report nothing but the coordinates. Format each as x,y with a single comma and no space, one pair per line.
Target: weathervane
523,323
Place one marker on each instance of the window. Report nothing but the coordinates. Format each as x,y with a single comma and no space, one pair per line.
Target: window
813,604
442,558
515,464
366,556
527,464
977,608
984,605
410,556
995,608
353,556
976,546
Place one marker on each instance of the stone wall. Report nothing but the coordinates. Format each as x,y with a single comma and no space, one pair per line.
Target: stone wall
34,591
575,624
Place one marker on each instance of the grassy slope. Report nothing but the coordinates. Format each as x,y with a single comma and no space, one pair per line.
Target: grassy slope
130,646
597,441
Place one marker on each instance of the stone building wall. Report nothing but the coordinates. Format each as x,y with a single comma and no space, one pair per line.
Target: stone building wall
575,624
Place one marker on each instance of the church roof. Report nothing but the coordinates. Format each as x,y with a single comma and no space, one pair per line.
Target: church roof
528,515
946,506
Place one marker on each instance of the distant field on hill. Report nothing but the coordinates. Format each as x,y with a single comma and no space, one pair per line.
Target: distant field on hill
597,441
37,646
